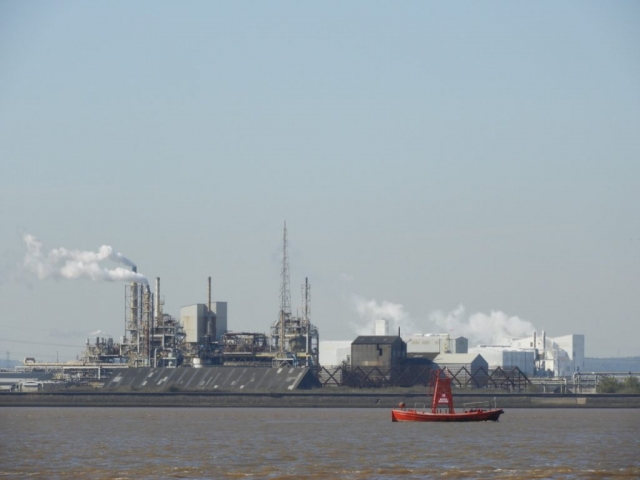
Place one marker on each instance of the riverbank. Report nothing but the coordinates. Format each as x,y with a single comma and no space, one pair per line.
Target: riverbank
320,399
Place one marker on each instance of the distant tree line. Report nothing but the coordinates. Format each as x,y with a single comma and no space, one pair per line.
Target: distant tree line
613,385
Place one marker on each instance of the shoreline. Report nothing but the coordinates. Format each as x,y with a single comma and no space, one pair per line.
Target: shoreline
305,400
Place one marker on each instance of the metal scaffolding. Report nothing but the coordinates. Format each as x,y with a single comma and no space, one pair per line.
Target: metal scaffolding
294,338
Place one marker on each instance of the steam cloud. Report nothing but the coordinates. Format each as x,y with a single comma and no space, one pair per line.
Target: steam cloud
61,263
496,328
370,310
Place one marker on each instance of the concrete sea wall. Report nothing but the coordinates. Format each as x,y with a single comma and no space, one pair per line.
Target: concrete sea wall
307,400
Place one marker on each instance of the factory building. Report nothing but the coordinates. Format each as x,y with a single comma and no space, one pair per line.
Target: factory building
378,351
199,322
559,357
420,348
436,343
574,346
498,356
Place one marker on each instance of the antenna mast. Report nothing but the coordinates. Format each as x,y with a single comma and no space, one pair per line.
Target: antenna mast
306,295
285,292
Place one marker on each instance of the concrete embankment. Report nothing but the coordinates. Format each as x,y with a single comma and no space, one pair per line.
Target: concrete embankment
314,399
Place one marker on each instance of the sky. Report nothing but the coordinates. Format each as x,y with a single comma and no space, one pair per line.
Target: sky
466,167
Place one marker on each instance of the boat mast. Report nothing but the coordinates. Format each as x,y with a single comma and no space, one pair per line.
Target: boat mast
442,397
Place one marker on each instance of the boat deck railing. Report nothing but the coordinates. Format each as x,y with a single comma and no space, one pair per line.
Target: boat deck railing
477,405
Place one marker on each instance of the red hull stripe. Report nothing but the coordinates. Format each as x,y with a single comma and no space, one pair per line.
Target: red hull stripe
414,416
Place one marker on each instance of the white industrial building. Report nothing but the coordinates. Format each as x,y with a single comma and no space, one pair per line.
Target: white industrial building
436,343
337,352
198,322
538,355
558,356
507,357
574,346
333,353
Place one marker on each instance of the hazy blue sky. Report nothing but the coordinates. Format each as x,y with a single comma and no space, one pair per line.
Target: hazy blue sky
424,154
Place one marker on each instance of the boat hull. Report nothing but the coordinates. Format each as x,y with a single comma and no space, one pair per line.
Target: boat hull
408,415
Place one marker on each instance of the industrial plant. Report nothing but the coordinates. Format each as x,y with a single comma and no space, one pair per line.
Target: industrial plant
201,337
198,351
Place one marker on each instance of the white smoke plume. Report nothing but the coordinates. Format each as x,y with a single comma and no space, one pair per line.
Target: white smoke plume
98,332
370,310
61,263
497,328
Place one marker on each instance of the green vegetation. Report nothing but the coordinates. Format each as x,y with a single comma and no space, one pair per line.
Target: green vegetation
612,385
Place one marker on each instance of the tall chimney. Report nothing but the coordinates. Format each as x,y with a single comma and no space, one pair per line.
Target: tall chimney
133,306
209,313
158,313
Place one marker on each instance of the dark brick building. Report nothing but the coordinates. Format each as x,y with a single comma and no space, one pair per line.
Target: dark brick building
378,351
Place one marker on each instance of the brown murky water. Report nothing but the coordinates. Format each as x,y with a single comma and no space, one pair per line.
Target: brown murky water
158,443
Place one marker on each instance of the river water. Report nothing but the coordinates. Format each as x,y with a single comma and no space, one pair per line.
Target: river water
203,443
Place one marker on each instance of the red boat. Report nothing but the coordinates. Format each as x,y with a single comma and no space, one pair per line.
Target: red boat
442,408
